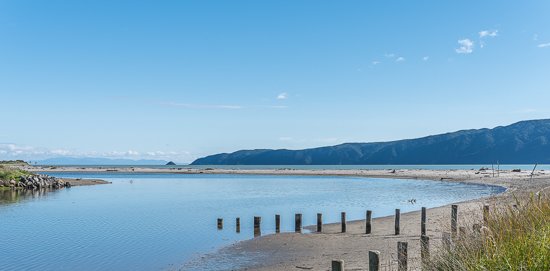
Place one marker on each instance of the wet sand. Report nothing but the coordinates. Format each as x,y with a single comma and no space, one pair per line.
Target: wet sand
82,182
291,251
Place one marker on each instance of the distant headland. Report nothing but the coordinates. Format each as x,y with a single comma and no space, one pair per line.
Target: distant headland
525,142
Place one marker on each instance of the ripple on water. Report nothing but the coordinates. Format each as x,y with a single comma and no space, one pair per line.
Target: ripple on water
152,222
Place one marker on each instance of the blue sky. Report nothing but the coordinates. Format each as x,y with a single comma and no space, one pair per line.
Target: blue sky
181,79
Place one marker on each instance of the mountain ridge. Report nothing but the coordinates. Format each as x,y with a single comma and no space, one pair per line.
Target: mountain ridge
521,142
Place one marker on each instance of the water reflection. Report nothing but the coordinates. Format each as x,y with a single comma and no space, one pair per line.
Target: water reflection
15,195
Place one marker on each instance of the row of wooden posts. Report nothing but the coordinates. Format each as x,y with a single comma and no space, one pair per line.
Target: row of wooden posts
374,256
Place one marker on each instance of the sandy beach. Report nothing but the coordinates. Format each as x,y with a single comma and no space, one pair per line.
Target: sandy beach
290,251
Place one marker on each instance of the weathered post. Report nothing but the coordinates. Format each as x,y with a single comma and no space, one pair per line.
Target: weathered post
423,222
476,228
337,265
397,219
298,223
220,223
343,221
257,222
462,231
424,249
238,225
454,220
368,223
446,238
277,223
374,260
402,256
485,214
319,222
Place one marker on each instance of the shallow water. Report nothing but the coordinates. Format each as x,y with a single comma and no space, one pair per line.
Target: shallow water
155,222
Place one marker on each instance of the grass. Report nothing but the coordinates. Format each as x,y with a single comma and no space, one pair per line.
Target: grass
9,173
514,238
14,162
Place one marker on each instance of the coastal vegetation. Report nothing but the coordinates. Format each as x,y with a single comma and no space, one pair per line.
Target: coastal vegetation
11,176
514,238
14,162
8,173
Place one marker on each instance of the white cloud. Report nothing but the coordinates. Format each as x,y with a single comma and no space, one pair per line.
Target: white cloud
282,96
376,62
426,58
544,45
10,151
400,59
389,55
488,33
466,46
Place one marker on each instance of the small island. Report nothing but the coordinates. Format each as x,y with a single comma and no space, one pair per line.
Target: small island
170,163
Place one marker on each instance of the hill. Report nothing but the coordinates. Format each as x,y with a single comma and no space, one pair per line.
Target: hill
525,142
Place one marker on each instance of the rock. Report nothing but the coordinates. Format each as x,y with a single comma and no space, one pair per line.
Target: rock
68,184
13,182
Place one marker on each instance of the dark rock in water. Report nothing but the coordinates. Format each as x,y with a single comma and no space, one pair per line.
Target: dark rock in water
68,184
170,163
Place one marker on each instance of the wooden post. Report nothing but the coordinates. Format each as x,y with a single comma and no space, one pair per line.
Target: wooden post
424,249
238,225
343,221
485,214
423,222
298,223
319,222
462,231
397,219
374,260
368,223
257,222
454,220
476,228
402,256
337,265
220,223
446,238
277,223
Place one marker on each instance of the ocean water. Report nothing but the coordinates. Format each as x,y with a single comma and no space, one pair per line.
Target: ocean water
162,221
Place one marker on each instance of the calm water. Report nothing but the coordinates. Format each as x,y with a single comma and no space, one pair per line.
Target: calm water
155,222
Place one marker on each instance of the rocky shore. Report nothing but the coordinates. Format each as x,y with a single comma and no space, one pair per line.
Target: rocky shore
33,182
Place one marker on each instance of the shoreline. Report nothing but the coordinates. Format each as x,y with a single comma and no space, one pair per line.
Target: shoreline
314,251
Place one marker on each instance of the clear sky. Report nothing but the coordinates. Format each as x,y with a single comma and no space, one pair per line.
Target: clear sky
181,79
